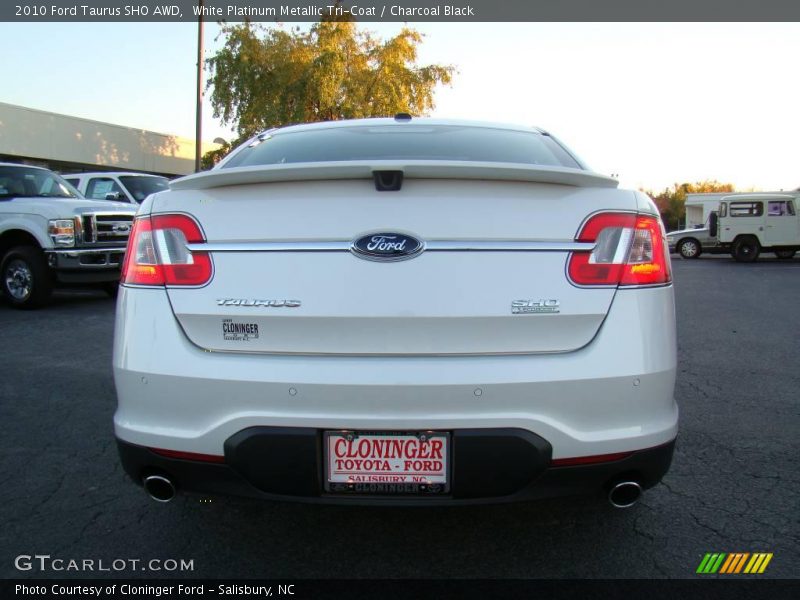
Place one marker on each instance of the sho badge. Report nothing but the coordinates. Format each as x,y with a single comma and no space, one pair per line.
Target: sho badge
239,332
524,307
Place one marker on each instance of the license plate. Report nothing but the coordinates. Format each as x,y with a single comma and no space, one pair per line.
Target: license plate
387,463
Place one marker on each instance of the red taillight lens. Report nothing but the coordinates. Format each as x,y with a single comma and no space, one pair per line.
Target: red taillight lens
157,253
629,250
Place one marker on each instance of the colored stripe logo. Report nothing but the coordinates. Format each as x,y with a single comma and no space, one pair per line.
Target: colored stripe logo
734,563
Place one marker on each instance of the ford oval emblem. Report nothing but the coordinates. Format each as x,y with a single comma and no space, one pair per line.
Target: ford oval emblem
387,246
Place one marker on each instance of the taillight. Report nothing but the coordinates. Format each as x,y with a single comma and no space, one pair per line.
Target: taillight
629,249
157,253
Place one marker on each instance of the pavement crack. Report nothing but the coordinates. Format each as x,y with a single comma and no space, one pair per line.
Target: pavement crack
706,526
56,489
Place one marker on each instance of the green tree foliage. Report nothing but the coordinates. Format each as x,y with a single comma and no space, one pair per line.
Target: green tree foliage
267,77
671,202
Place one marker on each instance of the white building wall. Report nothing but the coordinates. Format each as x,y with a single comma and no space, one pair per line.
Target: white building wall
699,207
28,132
694,215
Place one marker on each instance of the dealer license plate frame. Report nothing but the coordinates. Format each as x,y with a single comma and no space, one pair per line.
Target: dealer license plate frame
434,488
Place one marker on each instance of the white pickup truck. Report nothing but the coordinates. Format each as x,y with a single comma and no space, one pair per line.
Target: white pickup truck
50,235
123,186
748,225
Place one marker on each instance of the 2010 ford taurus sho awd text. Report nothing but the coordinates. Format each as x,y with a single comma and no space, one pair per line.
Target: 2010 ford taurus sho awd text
397,311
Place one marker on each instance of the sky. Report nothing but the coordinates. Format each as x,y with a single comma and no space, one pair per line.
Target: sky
654,104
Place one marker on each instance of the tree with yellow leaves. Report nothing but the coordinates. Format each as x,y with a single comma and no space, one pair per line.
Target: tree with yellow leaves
267,77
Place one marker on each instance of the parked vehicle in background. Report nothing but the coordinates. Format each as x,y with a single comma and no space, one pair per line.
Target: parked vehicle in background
749,225
691,243
49,234
119,186
397,311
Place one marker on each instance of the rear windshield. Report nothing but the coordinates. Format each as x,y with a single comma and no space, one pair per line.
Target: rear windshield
405,142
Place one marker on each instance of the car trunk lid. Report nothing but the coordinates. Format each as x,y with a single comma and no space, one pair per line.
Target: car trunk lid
491,278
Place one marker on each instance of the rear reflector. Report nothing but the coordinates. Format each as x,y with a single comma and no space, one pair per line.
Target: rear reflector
630,250
157,253
212,458
589,460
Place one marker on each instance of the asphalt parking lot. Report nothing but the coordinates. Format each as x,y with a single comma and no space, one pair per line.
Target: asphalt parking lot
734,485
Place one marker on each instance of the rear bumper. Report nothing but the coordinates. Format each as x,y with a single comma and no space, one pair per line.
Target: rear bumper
614,395
286,464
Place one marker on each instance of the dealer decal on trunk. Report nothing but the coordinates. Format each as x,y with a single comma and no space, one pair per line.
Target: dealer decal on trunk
239,332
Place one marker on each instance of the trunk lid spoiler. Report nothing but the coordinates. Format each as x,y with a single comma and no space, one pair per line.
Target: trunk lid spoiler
430,169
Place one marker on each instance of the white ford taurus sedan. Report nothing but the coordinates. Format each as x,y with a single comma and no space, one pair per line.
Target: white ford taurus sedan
397,311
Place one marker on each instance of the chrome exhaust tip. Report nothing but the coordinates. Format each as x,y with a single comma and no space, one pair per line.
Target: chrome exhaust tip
159,488
624,494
